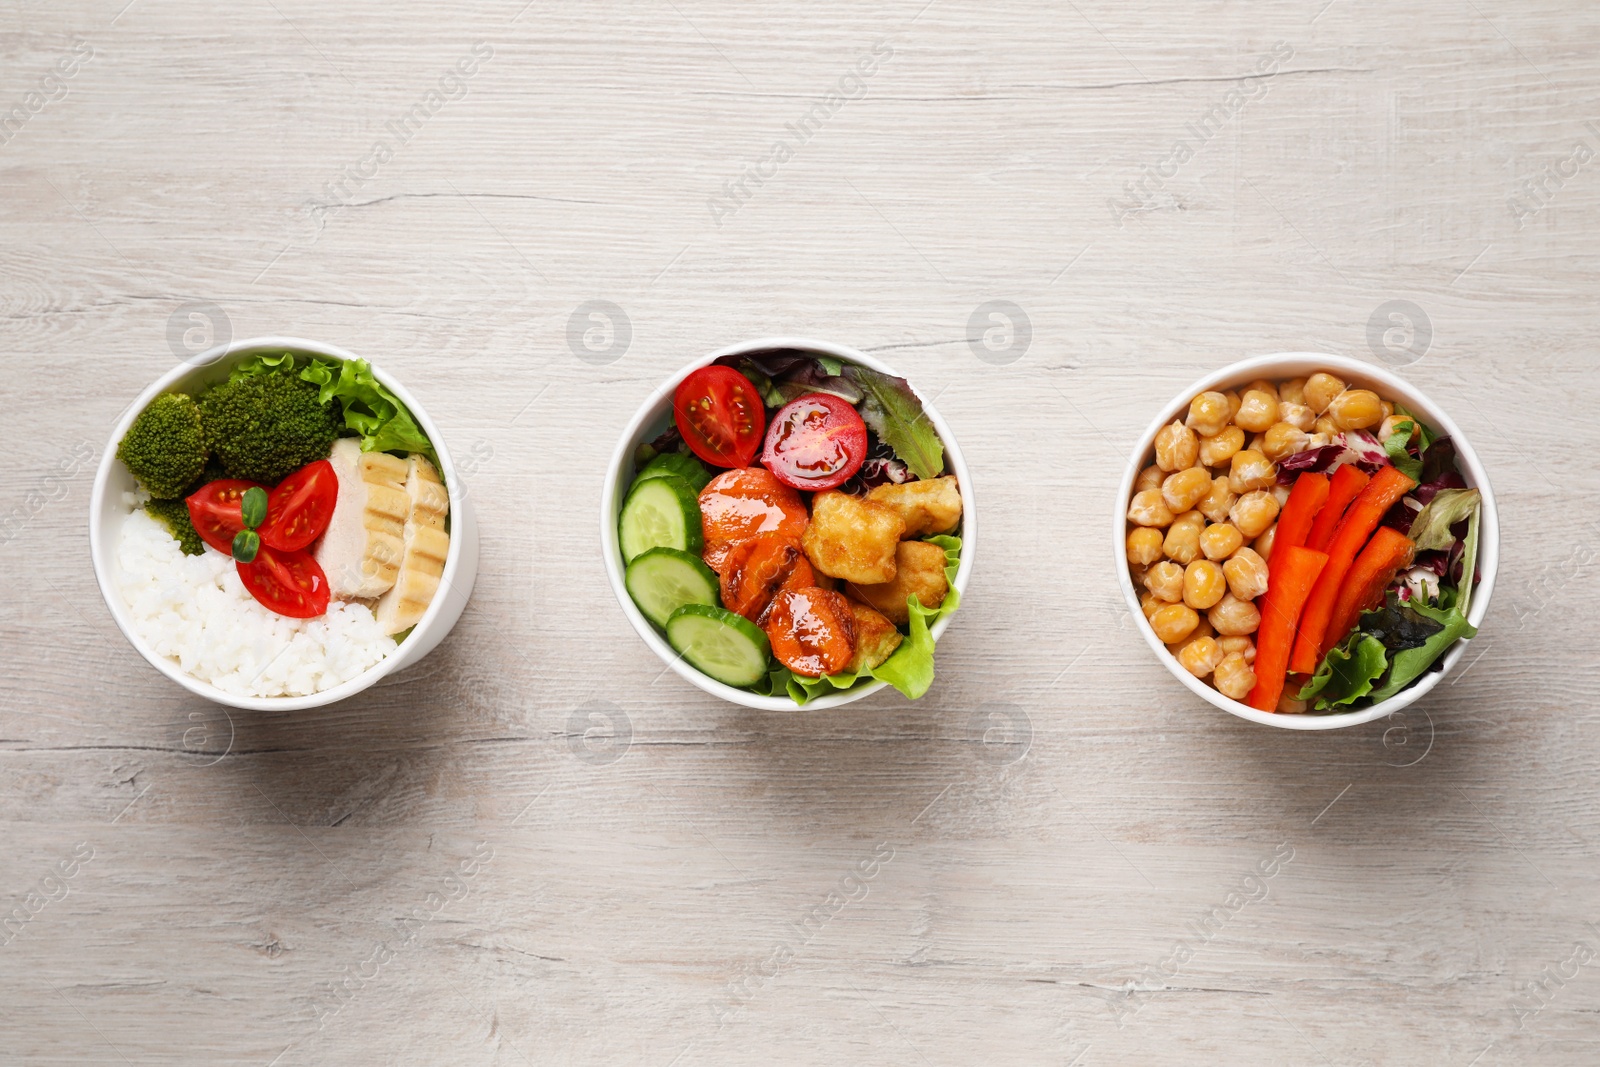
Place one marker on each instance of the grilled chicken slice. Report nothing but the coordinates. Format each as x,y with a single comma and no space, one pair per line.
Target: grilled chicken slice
361,550
426,546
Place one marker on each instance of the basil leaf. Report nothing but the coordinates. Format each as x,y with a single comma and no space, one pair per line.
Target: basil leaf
894,413
1430,528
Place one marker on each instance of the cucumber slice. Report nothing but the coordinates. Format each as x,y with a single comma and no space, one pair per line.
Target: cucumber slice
686,467
715,641
663,580
660,512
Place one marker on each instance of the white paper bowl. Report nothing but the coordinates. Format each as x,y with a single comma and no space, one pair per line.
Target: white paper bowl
107,511
654,416
1388,386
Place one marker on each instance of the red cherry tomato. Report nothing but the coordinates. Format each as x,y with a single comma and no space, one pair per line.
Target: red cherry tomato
298,510
720,415
290,583
214,510
815,442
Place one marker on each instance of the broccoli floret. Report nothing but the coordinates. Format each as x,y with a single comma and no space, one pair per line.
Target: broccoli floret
165,448
268,426
174,515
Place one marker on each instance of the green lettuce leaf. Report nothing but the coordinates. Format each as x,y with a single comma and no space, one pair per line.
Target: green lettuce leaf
1431,527
1347,672
910,668
1469,558
1395,445
895,414
1414,662
1426,435
373,412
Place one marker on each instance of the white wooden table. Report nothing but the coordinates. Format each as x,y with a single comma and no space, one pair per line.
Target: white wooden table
1159,187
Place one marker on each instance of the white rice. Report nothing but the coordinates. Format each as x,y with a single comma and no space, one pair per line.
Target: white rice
196,611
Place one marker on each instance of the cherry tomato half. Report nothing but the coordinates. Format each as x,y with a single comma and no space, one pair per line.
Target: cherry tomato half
815,442
720,415
813,631
755,570
290,583
740,504
299,509
214,511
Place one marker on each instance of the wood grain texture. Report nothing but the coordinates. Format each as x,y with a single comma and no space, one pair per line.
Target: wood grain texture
288,889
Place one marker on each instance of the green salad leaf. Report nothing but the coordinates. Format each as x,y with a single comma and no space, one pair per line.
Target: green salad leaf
1412,663
372,411
1395,446
895,414
1469,558
910,668
1431,527
1347,672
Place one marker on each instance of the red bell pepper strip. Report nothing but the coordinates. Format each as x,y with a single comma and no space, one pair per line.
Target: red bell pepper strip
1348,481
1360,519
1386,555
1292,575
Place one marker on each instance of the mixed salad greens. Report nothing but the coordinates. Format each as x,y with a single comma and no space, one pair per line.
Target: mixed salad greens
824,547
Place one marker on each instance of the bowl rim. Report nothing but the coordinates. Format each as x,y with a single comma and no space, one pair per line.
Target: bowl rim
101,553
1471,468
620,467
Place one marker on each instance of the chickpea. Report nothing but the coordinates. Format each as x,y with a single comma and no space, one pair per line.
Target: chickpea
1280,493
1297,415
1220,540
1208,414
1149,478
1319,440
1289,704
1356,409
1174,622
1165,580
1246,573
1203,584
1391,426
1325,426
1233,677
1263,544
1203,629
1183,543
1186,488
1320,389
1388,408
1148,509
1176,447
1215,504
1251,470
1284,439
1233,403
1257,411
1261,385
1150,604
1243,645
1200,656
1144,545
1218,449
1233,617
1253,512
1292,391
